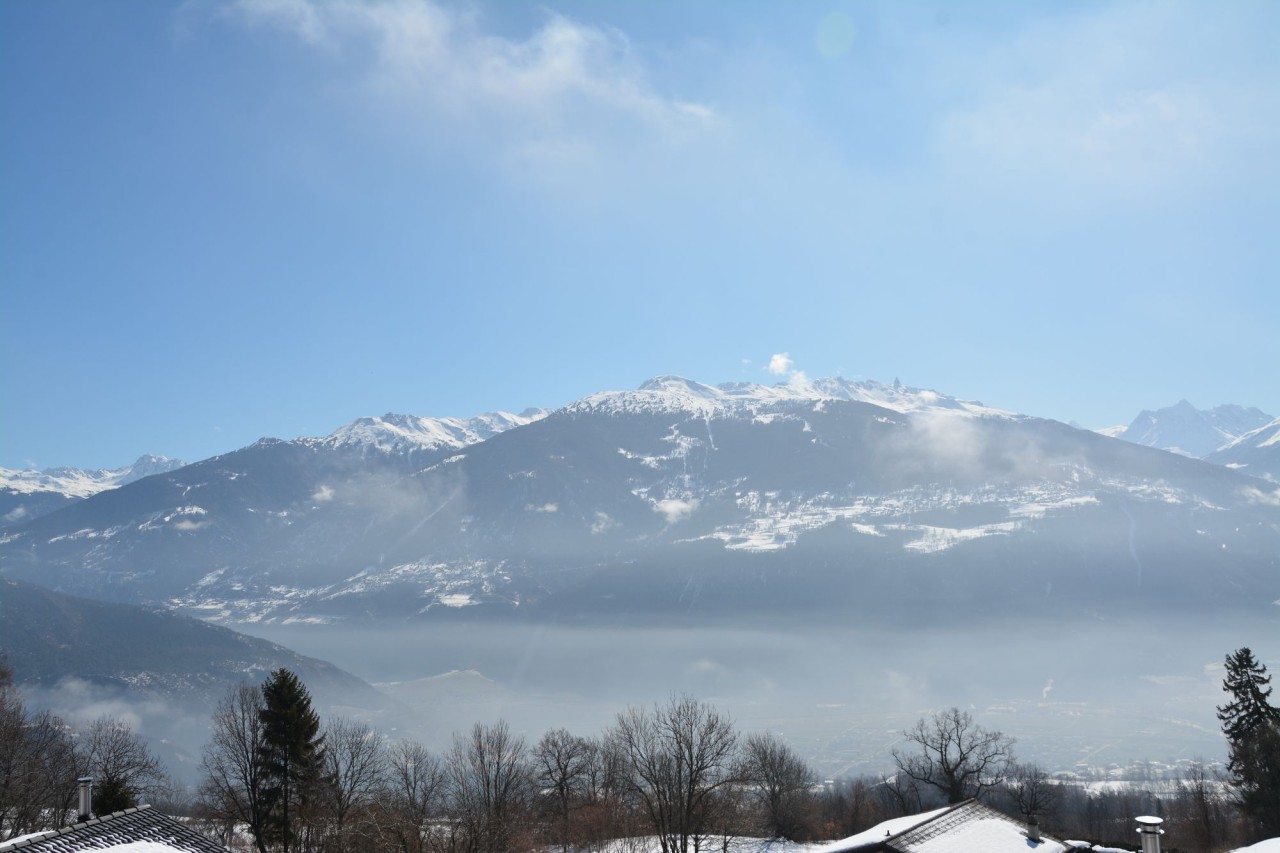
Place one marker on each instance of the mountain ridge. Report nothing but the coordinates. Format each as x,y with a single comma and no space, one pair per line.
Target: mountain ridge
674,497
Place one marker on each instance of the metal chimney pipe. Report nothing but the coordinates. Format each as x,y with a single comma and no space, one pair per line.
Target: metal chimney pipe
1149,829
1033,828
86,798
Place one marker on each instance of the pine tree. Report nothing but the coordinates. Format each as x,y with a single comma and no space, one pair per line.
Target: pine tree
1247,682
1252,729
291,755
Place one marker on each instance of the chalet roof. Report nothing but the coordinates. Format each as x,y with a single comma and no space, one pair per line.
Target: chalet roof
140,830
963,828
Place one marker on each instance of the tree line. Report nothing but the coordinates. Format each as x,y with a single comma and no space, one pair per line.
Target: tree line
41,757
278,779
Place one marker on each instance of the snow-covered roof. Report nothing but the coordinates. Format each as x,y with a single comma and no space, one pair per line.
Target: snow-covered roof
962,828
140,830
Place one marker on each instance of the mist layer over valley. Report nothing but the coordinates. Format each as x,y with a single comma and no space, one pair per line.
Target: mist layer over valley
1073,692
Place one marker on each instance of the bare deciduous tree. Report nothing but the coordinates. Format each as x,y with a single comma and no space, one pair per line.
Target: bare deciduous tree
123,768
37,767
1032,789
780,781
1200,808
354,770
955,755
489,786
678,758
231,790
561,763
415,782
899,795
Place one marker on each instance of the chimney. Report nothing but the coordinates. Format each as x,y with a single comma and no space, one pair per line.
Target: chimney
85,811
1149,829
1033,829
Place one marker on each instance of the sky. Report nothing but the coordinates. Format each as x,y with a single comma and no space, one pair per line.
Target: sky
228,219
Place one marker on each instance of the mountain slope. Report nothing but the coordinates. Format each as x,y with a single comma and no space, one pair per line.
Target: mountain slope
48,637
680,498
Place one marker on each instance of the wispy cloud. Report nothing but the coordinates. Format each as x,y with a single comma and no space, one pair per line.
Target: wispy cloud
566,93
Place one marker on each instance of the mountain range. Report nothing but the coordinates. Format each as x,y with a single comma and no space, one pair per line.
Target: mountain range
1239,437
829,499
29,494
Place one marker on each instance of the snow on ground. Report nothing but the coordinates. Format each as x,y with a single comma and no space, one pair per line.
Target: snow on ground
1271,845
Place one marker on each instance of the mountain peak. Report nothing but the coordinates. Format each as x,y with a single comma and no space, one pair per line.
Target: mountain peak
679,385
395,433
84,482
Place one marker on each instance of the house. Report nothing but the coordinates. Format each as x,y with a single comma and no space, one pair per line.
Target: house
140,830
962,828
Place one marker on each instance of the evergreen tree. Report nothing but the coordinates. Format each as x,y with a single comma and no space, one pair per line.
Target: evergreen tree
291,755
1252,729
1247,682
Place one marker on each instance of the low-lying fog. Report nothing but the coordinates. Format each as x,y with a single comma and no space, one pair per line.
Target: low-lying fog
1091,692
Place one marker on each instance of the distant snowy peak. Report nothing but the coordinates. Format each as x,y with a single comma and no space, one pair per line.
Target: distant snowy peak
1264,436
82,482
1182,428
1256,453
395,434
677,394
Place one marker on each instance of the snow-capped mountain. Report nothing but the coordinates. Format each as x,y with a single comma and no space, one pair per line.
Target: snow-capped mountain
82,482
803,498
1184,429
28,494
1257,452
410,435
677,394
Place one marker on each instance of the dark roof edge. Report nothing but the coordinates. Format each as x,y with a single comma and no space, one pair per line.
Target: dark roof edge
63,830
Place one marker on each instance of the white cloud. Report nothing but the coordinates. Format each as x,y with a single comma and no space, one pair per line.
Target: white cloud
566,94
186,525
322,494
16,514
675,509
547,507
780,363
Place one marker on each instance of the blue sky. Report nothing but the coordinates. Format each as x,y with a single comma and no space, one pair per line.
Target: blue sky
224,220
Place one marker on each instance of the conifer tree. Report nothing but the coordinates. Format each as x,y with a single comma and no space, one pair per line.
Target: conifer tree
1248,683
291,755
1252,729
